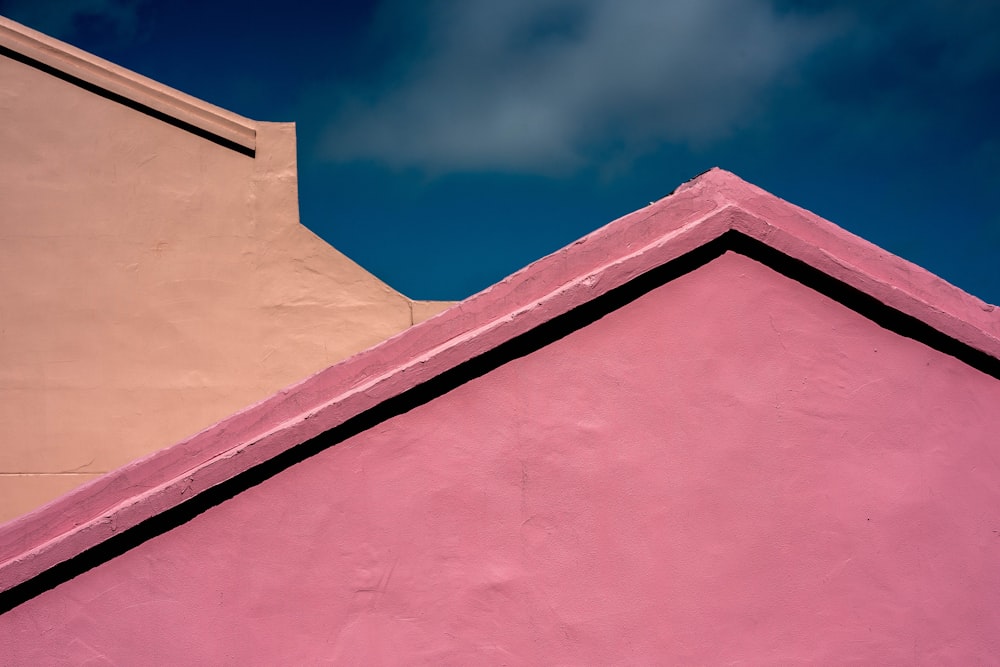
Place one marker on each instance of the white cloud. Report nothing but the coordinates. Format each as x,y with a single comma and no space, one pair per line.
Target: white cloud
541,85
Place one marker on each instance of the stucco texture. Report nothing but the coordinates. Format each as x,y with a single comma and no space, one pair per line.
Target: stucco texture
152,282
730,469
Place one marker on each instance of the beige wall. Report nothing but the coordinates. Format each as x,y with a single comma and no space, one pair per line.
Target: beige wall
152,281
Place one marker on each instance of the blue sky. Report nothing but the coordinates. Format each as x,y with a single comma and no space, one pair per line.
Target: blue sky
444,145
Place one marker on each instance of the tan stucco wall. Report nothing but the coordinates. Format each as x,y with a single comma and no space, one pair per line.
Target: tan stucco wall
152,282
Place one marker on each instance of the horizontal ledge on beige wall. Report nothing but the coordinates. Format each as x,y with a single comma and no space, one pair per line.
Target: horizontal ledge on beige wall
126,87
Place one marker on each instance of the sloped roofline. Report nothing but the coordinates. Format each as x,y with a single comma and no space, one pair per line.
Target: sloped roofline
713,213
126,87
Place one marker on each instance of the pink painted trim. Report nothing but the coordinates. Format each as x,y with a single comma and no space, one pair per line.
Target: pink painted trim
698,213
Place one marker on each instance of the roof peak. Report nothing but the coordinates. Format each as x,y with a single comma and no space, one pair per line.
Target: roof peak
706,216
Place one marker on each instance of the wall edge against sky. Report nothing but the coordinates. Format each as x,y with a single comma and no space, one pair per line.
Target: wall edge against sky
539,293
123,85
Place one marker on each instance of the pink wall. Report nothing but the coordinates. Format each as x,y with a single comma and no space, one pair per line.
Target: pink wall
730,469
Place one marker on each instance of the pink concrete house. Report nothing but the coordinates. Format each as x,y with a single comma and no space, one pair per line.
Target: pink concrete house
720,430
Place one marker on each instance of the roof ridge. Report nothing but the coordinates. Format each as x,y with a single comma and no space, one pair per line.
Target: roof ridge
713,213
853,249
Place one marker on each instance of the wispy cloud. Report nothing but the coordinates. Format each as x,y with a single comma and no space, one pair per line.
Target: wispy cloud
118,19
545,85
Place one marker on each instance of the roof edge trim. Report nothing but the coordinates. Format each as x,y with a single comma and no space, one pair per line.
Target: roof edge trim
715,205
835,266
176,474
117,83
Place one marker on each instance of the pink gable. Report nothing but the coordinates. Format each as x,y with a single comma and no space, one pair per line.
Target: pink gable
732,453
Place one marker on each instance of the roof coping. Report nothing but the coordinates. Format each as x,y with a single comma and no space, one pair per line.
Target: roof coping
109,80
717,211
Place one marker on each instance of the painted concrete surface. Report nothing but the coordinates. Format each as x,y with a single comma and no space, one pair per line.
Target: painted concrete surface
696,217
732,468
152,281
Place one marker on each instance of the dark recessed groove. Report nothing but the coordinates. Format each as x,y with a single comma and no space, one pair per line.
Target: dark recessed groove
130,103
522,345
885,316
